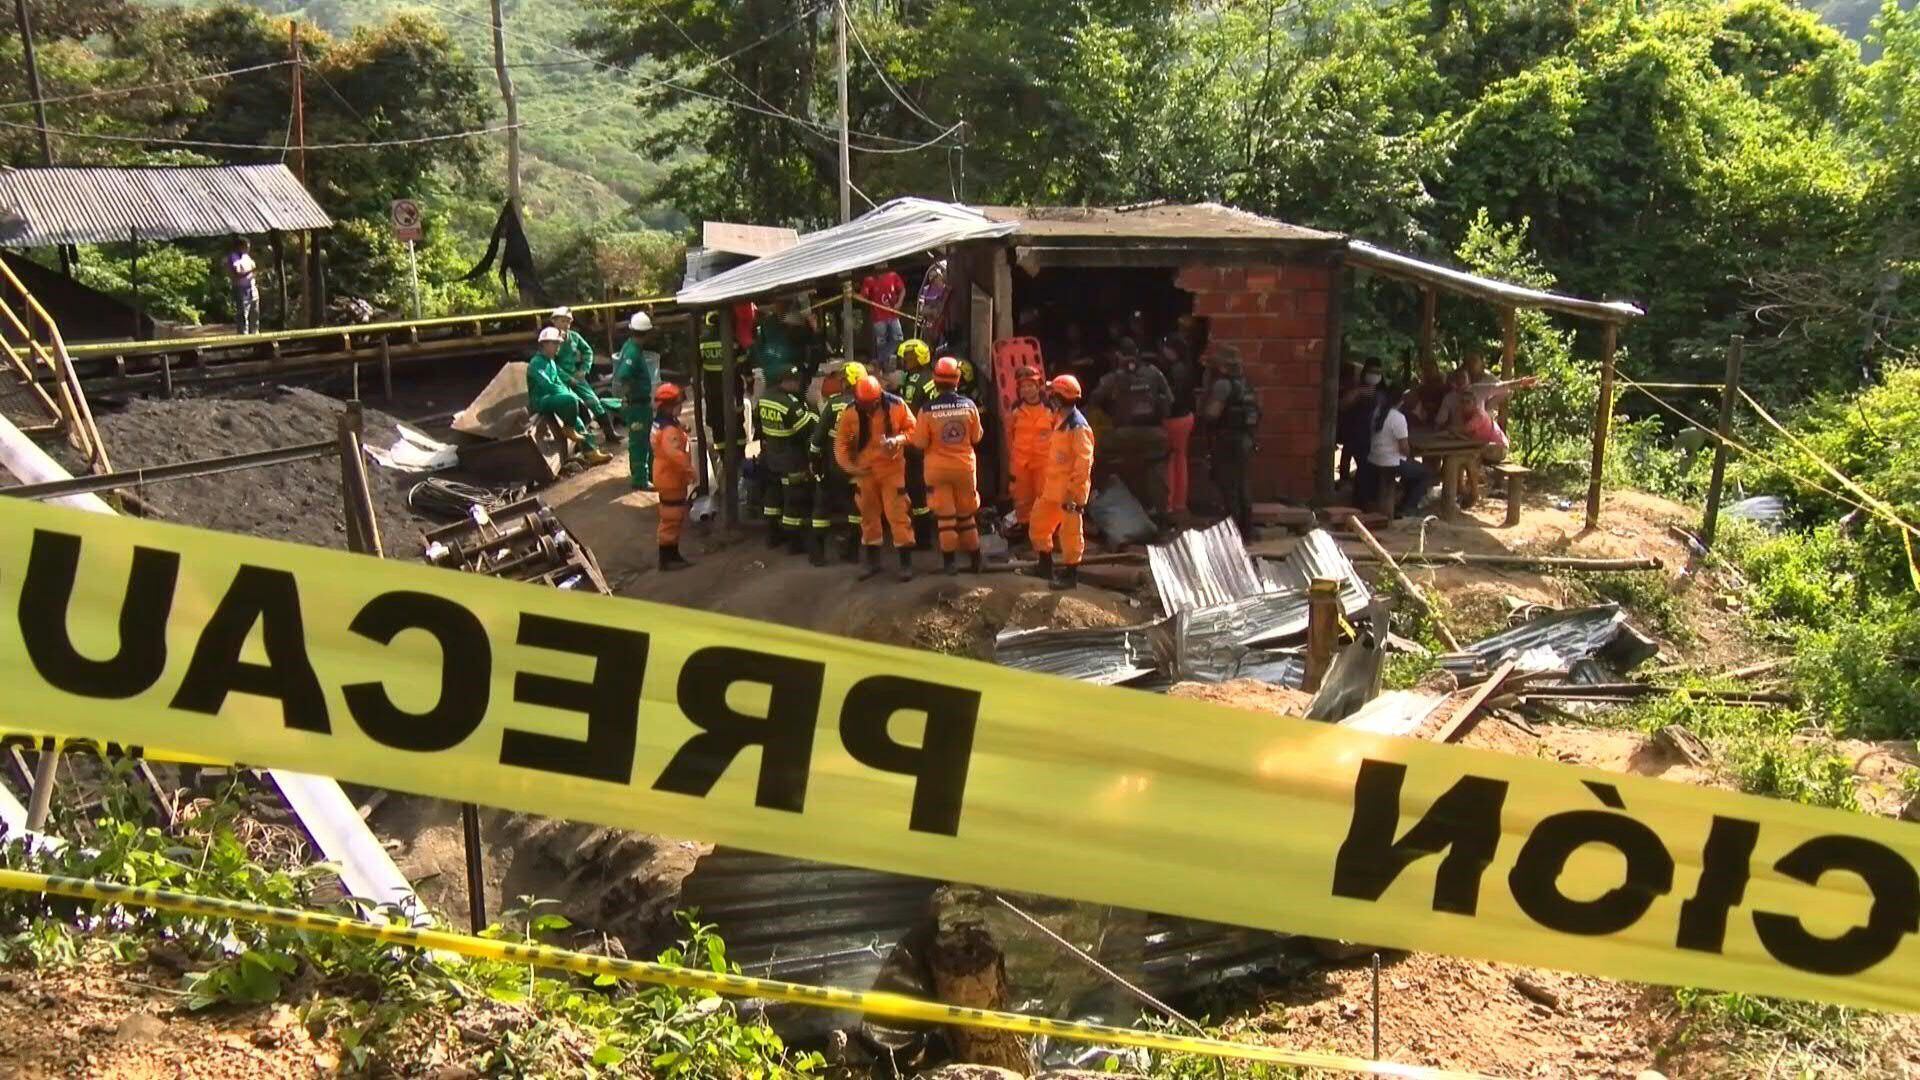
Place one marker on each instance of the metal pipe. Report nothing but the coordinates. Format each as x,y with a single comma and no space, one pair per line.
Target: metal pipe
177,471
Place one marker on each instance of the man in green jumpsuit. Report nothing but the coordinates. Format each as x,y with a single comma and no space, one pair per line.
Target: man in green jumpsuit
576,365
636,371
549,395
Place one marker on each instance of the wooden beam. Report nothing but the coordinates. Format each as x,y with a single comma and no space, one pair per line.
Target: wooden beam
1602,420
1729,393
1406,583
1330,355
1509,348
730,453
1464,718
1392,264
1428,298
1003,296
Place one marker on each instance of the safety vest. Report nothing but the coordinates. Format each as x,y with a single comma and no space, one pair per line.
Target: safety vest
710,357
829,422
785,422
1241,413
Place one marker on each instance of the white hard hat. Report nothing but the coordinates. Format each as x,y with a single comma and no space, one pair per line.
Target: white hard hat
551,333
562,313
640,323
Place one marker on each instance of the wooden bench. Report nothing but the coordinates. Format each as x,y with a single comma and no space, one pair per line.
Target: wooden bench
1447,455
1516,478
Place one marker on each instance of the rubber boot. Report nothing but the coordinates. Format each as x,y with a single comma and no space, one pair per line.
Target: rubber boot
974,563
1043,566
605,421
670,557
850,546
774,536
1067,578
817,555
796,539
873,563
947,565
923,530
906,564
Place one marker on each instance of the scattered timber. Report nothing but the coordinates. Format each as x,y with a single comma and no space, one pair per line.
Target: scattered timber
1538,562
1406,583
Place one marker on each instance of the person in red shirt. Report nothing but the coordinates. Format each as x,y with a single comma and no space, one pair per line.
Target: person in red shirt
884,291
745,315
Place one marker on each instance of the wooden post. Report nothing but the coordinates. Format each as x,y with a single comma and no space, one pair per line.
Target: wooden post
1427,300
970,970
40,801
1602,418
166,375
1406,583
386,367
476,867
697,388
1323,629
731,449
1327,453
133,272
1729,392
280,274
1003,296
363,528
1509,347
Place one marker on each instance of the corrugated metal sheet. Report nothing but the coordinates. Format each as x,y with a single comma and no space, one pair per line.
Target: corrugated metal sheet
1396,712
1172,222
892,230
1318,555
1556,639
1203,567
43,207
753,241
1104,657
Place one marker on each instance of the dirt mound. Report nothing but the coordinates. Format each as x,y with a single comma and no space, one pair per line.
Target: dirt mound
1058,611
1250,694
298,502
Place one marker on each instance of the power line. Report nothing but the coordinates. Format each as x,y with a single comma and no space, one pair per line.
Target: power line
376,144
149,86
880,71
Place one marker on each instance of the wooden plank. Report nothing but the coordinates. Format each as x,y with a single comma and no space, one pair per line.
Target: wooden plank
1468,715
1602,421
1406,584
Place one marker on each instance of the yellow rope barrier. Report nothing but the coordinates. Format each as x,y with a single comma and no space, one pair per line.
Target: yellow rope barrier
872,1003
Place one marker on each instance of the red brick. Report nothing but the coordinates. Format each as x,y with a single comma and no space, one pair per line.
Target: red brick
1263,277
1265,327
1196,278
1243,302
1307,277
1311,302
1232,277
1303,326
1211,303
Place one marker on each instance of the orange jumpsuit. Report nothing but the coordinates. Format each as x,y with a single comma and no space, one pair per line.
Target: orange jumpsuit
946,431
1064,493
879,473
1032,429
672,477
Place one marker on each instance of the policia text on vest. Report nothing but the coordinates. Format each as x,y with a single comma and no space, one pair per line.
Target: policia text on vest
677,722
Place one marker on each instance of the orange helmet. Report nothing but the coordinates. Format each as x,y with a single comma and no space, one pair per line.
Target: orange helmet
867,390
1027,373
666,395
1066,386
946,371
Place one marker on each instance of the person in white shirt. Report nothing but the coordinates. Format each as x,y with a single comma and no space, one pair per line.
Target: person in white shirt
246,288
1389,453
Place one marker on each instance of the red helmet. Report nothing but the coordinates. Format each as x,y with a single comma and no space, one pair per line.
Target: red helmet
1066,386
1027,373
946,371
867,390
666,395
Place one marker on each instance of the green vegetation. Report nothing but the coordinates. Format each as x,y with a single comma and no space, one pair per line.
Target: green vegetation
377,1001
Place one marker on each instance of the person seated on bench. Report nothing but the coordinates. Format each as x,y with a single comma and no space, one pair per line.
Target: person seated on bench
1390,453
1468,413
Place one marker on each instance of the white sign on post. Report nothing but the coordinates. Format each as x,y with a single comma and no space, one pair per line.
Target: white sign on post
405,214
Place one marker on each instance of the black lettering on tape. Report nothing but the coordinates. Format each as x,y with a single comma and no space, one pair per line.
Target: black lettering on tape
784,735
611,702
1464,822
270,598
1895,911
47,593
938,765
466,670
1725,867
1535,877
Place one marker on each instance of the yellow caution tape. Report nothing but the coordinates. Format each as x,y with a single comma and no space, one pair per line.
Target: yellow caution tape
683,723
869,1002
38,741
222,341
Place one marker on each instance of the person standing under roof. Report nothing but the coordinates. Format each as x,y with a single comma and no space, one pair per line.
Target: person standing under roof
549,395
916,390
1232,413
1062,505
674,473
636,371
1183,381
945,432
871,448
1032,430
885,292
242,276
787,494
1136,397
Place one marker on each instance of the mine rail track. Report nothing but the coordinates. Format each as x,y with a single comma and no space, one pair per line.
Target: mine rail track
166,365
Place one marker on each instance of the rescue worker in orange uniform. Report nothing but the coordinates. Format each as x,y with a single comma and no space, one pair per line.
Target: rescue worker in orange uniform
1031,428
1068,484
945,432
672,472
871,447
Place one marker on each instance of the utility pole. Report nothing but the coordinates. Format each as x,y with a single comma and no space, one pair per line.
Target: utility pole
24,17
513,107
846,176
300,163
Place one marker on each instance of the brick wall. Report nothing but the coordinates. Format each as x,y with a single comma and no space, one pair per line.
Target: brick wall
1277,317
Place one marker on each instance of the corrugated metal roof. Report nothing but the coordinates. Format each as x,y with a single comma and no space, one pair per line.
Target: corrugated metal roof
44,207
1393,264
1203,568
892,230
1173,223
1209,573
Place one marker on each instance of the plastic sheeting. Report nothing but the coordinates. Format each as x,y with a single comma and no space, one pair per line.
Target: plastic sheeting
893,230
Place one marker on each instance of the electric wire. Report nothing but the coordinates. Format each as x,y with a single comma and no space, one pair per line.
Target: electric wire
120,90
854,29
375,144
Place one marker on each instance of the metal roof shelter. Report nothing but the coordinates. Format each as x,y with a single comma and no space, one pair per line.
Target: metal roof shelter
42,207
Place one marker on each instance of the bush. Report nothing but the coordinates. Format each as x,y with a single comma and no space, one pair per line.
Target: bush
1767,751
